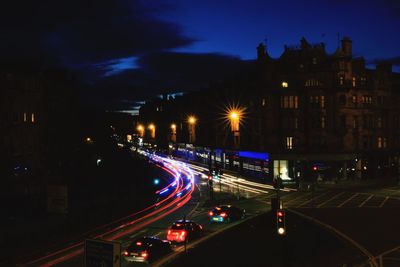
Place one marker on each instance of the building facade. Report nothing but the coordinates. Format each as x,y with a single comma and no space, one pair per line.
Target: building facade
317,115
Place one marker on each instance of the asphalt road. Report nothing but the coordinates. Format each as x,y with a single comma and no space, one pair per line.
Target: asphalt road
255,243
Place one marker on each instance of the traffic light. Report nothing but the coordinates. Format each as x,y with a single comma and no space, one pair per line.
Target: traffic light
210,180
280,222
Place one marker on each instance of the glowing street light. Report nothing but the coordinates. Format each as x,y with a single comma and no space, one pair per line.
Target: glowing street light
234,115
152,129
192,120
192,128
140,129
173,132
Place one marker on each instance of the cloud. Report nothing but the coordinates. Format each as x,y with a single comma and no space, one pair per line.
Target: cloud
77,33
167,72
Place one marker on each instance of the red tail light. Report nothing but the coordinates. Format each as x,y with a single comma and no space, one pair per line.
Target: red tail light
139,243
223,214
126,253
169,232
144,254
211,213
182,235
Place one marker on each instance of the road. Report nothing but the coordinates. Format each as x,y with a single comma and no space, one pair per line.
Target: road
181,199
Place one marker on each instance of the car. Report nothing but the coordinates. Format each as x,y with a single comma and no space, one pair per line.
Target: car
147,249
226,213
183,231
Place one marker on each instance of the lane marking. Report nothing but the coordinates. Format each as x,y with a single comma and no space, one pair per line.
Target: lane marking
365,201
332,198
313,198
383,202
347,200
368,254
296,198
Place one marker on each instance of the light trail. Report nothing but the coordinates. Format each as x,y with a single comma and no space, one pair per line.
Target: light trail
169,205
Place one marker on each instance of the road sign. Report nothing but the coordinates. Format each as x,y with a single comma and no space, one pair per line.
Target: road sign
100,253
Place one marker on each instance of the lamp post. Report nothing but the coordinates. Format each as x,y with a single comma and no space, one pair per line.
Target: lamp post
234,118
140,130
173,132
192,129
152,129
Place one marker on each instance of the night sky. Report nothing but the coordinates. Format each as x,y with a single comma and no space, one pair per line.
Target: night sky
128,49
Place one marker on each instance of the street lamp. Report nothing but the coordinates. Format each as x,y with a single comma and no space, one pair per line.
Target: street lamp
192,128
173,132
140,129
152,129
235,115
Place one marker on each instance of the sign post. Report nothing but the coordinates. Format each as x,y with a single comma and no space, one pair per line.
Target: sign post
100,253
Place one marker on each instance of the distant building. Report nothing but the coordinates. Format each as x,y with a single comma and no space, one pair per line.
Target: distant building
314,113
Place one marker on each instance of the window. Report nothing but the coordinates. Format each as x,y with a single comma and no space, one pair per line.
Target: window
289,102
312,82
289,142
33,117
366,99
368,122
314,60
342,99
263,102
355,122
285,84
353,82
363,81
382,142
323,120
354,99
296,123
318,100
379,123
341,80
343,121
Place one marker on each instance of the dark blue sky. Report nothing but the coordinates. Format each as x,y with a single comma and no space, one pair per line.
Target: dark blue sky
236,27
132,49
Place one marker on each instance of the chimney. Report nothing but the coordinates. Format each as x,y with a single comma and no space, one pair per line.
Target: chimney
261,51
347,46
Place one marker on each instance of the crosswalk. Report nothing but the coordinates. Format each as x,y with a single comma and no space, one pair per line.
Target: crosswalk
334,199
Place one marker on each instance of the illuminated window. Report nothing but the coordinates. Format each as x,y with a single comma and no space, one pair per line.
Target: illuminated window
312,82
289,142
341,80
363,80
322,101
323,120
353,82
33,117
354,99
366,99
285,84
290,101
263,102
24,116
381,142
